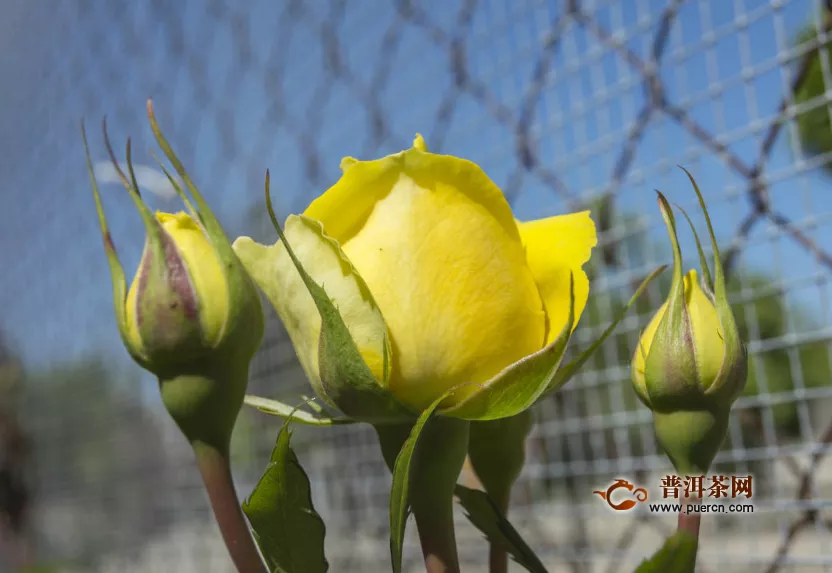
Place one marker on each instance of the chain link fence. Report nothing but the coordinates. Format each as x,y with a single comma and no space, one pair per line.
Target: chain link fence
566,104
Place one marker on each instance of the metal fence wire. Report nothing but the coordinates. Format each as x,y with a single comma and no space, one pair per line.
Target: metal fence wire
566,104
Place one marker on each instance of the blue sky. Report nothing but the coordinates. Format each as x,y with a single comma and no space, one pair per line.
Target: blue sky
212,77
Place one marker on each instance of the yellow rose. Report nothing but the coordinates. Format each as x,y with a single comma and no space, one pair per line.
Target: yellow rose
463,288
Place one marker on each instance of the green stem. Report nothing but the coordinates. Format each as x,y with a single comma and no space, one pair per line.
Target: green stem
437,537
690,522
497,450
216,474
437,464
497,559
497,556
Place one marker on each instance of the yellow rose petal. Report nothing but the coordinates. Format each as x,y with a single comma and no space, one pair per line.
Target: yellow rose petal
436,243
704,321
554,246
344,208
645,341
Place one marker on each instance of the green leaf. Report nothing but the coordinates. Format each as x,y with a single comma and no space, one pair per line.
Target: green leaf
486,516
399,490
288,530
677,555
281,410
520,385
565,373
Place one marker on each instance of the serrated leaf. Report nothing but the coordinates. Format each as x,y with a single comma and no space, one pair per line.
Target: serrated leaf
486,516
287,412
565,373
288,530
399,489
677,555
518,386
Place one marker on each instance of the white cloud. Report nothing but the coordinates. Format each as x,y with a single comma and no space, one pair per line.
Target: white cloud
149,178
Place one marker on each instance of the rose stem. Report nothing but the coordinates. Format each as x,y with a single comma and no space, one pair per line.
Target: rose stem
216,474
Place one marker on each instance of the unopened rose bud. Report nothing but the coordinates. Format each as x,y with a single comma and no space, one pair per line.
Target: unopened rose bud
192,315
690,364
177,307
701,336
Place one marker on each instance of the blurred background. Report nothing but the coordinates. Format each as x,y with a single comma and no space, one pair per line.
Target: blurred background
566,105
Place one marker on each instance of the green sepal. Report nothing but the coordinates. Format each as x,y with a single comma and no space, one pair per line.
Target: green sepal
117,277
733,374
287,412
706,280
676,555
178,188
484,514
203,212
244,325
155,233
347,380
286,527
518,386
670,368
565,373
157,245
